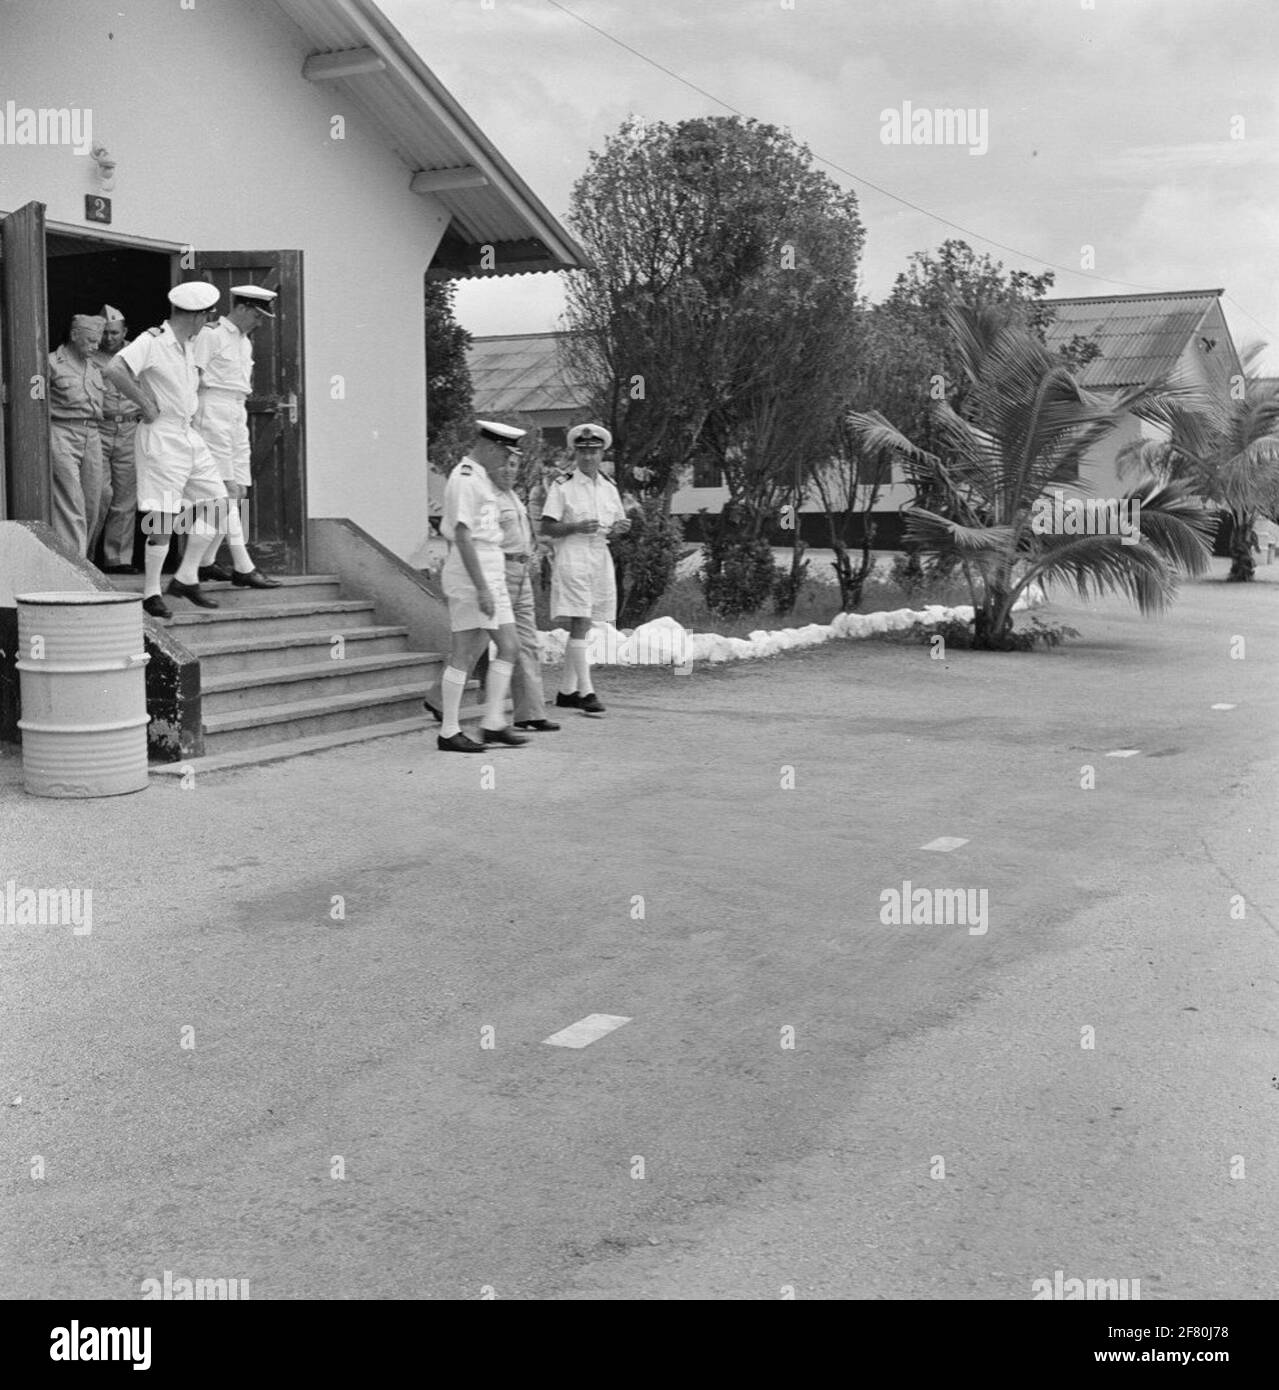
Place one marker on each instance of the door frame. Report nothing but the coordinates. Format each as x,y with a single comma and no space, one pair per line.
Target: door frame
31,499
291,311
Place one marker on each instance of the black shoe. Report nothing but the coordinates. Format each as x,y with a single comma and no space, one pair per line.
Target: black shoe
433,712
219,573
157,607
255,579
502,736
590,704
458,743
541,726
191,591
122,569
573,701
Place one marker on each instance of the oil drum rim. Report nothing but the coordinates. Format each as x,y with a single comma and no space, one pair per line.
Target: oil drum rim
68,600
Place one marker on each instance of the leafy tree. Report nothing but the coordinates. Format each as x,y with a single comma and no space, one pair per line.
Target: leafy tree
1029,425
1227,454
449,407
911,361
713,320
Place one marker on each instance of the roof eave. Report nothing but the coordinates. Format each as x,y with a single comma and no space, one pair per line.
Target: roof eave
403,62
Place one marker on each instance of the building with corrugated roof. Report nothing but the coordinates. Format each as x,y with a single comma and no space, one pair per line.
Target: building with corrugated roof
1144,339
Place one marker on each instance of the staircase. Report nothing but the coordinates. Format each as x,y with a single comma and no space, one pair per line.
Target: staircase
296,670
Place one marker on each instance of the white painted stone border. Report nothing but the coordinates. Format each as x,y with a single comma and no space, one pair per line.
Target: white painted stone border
663,642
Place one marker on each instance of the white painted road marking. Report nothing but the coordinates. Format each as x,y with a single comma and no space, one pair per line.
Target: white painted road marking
586,1030
945,844
1124,753
1224,706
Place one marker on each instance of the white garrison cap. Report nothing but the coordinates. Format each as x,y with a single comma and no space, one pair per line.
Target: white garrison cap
589,434
193,295
262,298
112,315
500,434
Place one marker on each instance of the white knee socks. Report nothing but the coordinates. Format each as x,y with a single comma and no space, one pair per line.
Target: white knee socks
452,684
153,560
499,682
240,557
576,676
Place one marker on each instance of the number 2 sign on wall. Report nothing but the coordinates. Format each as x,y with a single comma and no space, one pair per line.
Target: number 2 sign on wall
97,208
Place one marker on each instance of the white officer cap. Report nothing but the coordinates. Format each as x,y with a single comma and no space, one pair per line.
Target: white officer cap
193,295
112,315
589,434
262,298
499,434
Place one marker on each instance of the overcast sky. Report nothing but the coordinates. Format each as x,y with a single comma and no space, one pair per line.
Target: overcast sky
1111,123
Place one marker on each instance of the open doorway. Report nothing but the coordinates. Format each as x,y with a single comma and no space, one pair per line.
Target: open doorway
83,273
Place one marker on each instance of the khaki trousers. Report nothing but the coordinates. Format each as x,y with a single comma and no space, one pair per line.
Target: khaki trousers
77,481
526,679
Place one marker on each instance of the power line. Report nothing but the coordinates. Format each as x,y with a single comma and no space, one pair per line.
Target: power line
887,193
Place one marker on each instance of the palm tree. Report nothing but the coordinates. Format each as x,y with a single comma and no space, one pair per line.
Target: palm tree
1228,455
1027,427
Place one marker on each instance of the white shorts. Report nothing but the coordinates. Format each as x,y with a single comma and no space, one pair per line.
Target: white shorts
463,599
174,466
583,584
224,427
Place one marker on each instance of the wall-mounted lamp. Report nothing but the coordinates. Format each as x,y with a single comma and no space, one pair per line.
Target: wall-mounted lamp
106,167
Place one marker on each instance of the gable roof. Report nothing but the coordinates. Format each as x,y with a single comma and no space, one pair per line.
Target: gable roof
360,52
1141,336
521,372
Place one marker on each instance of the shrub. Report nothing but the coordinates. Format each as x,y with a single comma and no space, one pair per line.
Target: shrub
645,559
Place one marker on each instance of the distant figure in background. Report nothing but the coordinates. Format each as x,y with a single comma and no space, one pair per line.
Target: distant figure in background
224,356
76,393
118,430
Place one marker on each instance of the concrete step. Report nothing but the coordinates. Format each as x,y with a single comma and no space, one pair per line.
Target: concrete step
258,725
239,690
294,588
218,658
425,728
225,624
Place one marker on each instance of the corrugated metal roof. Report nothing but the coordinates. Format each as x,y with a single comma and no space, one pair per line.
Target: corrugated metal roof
521,372
1141,336
428,130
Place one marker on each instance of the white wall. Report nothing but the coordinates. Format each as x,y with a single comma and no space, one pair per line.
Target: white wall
221,143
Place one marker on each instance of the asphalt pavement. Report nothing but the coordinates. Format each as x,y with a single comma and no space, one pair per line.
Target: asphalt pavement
304,1043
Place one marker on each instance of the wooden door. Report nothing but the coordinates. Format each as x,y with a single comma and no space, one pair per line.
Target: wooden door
27,492
277,500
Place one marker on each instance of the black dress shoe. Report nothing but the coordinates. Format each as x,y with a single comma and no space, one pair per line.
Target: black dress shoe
216,572
568,701
191,591
502,736
458,743
157,607
590,704
433,712
121,569
255,579
541,726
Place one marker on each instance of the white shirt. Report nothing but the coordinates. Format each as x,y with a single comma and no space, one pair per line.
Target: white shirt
167,368
470,500
225,358
579,498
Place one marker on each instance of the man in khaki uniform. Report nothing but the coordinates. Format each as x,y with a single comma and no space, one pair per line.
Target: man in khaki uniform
118,431
519,550
76,392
